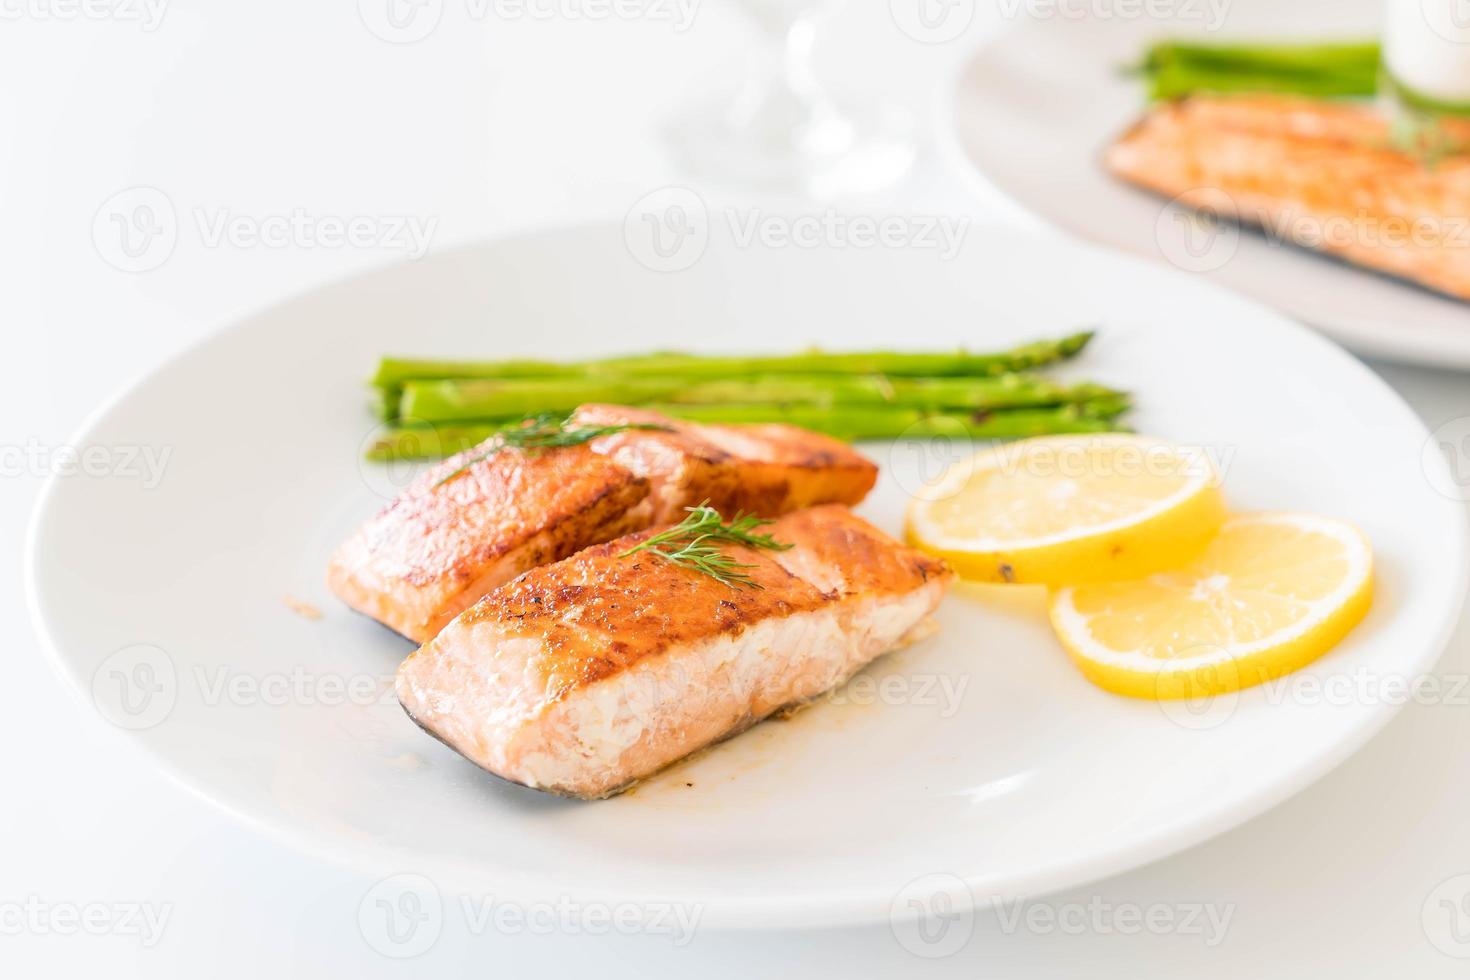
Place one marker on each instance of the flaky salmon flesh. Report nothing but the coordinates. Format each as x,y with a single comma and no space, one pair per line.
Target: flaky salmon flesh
444,543
1322,175
584,676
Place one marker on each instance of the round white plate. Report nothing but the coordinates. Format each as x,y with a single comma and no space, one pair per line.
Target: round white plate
1030,114
986,757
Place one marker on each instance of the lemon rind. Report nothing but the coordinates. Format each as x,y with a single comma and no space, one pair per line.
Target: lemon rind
1070,624
927,533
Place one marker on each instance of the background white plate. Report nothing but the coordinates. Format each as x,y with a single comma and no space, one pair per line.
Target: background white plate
1030,114
1037,781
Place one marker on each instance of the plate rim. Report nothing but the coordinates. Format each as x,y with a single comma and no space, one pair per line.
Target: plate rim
725,912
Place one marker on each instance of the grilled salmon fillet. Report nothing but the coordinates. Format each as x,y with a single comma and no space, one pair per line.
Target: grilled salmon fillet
587,675
444,543
753,469
1322,175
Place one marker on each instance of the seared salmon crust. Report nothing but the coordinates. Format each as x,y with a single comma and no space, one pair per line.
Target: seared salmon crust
587,675
1322,175
444,543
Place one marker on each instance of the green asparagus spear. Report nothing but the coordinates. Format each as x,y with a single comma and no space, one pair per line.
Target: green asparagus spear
485,398
847,422
1173,83
457,401
1178,68
1273,59
864,422
394,372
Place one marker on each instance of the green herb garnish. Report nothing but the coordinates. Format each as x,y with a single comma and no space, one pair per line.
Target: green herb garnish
546,431
691,544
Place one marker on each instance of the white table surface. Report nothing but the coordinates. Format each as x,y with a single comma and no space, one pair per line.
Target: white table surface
491,126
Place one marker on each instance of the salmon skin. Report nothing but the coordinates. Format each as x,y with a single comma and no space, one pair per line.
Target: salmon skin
582,677
445,542
1322,175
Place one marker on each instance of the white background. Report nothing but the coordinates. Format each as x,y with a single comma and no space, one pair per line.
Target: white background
489,126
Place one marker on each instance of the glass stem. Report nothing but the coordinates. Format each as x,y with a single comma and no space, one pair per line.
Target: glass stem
783,98
797,58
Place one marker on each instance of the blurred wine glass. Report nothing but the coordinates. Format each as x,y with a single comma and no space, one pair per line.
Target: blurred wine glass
781,131
1426,72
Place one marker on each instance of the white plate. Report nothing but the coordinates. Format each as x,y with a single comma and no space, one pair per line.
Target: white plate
1036,781
1030,114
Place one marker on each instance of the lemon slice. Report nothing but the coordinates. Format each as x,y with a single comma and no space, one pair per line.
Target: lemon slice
1271,593
1062,510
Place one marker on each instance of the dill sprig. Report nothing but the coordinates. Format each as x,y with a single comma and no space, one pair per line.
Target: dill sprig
692,544
546,431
